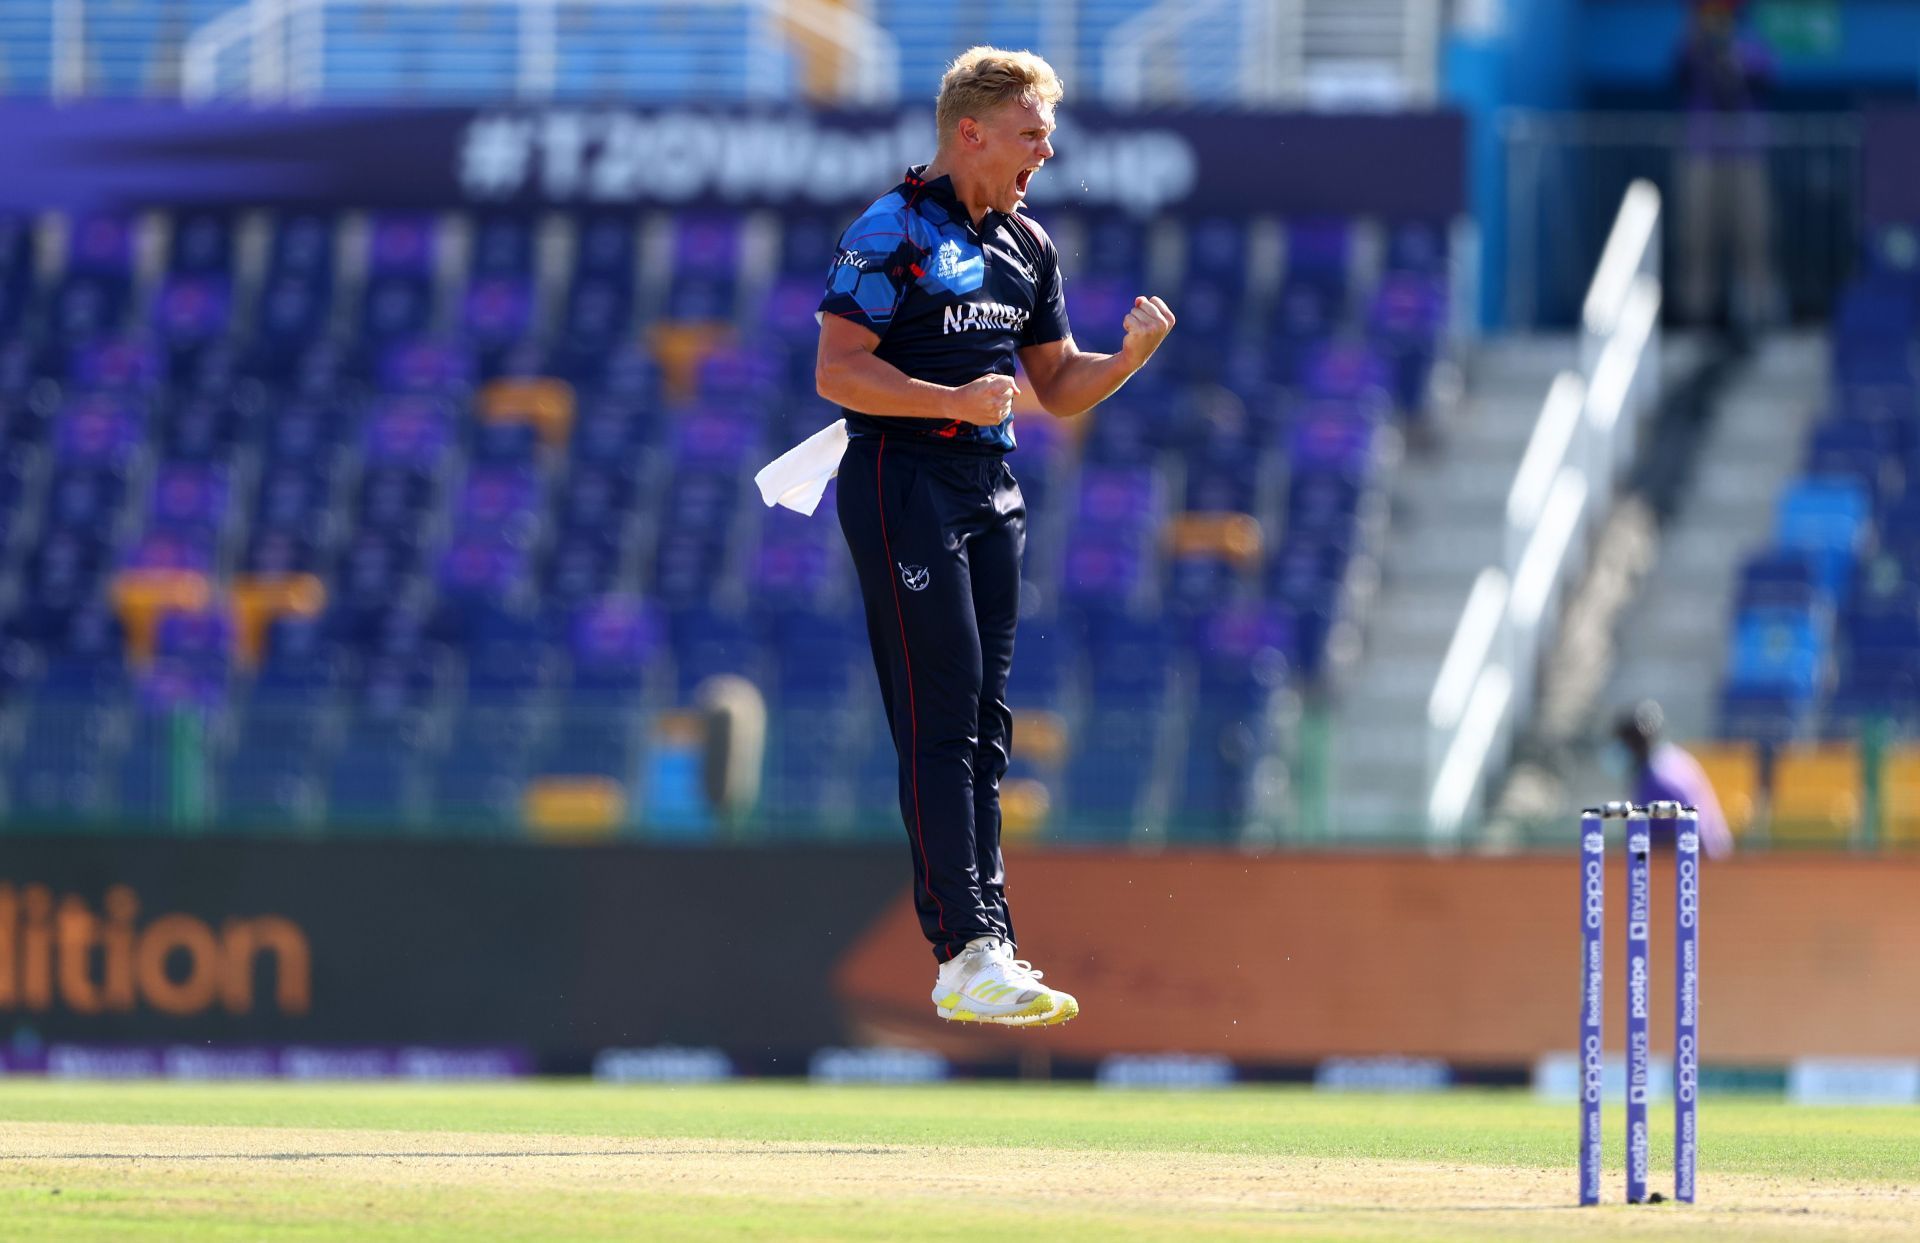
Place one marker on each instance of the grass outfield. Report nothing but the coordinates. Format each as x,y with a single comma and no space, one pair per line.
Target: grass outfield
787,1161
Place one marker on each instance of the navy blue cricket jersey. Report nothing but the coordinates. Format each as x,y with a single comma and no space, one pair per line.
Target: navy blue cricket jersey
949,302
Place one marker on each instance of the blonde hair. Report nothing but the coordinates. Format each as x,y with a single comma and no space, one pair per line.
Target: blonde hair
980,79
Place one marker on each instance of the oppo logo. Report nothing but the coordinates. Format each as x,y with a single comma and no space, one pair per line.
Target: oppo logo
1687,1081
1592,1073
1689,881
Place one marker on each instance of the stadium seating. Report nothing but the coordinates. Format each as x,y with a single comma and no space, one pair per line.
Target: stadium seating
1824,641
356,534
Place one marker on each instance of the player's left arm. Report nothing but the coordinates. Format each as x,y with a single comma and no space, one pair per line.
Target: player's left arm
1068,380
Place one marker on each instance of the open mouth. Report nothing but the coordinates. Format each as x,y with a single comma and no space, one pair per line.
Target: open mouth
1021,179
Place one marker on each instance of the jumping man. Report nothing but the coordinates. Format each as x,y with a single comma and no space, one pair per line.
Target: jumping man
935,289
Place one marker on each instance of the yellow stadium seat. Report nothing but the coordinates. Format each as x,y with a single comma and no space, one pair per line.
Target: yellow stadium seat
574,808
1816,792
546,403
260,599
1900,795
680,347
1040,737
1024,804
1227,536
143,597
1733,769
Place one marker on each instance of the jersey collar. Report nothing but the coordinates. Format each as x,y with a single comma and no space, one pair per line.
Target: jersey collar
940,190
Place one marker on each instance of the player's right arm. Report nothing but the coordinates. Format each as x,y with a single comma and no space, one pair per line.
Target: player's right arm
846,373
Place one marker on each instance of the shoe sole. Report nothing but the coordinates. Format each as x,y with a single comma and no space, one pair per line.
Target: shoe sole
1067,1009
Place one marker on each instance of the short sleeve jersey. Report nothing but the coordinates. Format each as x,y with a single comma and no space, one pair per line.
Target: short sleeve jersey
950,301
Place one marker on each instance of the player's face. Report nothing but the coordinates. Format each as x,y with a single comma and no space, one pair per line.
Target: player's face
1013,146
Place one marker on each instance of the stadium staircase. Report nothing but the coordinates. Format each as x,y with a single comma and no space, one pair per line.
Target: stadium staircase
1672,644
1448,520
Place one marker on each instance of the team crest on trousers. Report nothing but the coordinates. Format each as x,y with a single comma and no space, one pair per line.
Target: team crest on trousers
916,577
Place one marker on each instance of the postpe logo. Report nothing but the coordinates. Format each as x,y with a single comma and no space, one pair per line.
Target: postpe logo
58,952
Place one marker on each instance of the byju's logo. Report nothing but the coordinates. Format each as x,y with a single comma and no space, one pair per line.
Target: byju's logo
916,577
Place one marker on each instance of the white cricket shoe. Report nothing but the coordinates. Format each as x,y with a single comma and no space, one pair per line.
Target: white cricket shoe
987,984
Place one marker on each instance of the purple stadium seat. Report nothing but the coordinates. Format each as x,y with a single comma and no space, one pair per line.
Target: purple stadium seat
1118,501
500,502
1347,369
797,558
1408,308
397,303
1102,576
400,244
1100,303
189,500
596,498
497,311
706,251
807,245
613,641
503,246
374,569
97,431
1417,246
1320,253
118,366
302,244
171,550
100,245
91,301
582,566
408,432
1243,654
1217,255
278,553
475,569
746,375
426,367
305,433
64,568
497,443
711,440
16,270
201,243
1112,247
1331,436
200,643
85,497
786,313
201,429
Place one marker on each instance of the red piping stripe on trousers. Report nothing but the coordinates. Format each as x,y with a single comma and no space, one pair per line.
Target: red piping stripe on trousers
913,715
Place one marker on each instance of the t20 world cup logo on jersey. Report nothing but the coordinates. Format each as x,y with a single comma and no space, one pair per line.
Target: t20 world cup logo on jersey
946,260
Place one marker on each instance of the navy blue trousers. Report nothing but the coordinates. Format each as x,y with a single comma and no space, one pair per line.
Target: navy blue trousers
936,536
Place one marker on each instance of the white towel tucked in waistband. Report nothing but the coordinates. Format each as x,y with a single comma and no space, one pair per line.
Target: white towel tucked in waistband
798,477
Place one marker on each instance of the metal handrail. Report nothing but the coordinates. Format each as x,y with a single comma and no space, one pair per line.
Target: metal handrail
1564,484
283,42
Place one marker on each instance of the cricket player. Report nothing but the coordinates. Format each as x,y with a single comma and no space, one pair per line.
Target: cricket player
936,289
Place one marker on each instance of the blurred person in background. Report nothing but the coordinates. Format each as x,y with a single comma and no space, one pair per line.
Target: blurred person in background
934,291
1663,771
1725,199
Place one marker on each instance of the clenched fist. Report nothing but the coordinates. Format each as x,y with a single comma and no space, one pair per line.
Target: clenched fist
1146,325
985,402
